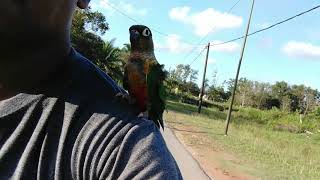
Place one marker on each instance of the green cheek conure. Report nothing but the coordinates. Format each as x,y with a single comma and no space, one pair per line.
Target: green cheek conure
144,76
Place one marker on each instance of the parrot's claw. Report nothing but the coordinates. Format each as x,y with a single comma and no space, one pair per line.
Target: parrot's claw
143,115
126,97
119,95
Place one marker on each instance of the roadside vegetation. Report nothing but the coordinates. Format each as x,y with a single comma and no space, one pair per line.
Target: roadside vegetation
261,151
279,106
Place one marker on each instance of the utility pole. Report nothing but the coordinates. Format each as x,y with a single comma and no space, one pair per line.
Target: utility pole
204,79
238,71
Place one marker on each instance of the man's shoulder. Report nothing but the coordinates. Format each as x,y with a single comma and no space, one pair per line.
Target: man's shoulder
95,90
89,73
123,149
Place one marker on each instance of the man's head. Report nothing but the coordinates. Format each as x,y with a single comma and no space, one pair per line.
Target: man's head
34,40
141,38
28,23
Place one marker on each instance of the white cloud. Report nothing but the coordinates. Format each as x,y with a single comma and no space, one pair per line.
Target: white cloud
207,21
174,44
179,13
302,50
123,6
231,47
130,9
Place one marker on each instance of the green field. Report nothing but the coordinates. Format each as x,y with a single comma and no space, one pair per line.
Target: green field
264,152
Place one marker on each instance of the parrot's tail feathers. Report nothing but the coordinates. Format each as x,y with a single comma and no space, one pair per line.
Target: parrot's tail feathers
157,94
161,123
158,120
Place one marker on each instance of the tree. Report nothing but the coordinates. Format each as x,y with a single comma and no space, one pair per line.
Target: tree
214,78
243,92
84,19
193,76
193,88
125,51
186,73
184,78
178,72
206,84
310,100
279,95
262,91
88,43
85,31
218,94
317,97
297,96
244,89
281,90
112,63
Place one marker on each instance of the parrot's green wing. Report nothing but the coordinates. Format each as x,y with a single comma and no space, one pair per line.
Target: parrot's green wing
156,93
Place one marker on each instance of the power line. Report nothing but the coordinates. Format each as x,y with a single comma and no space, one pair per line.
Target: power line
269,27
258,31
197,56
202,39
136,21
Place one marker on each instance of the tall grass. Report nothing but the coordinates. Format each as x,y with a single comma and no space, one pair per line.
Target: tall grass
273,119
278,120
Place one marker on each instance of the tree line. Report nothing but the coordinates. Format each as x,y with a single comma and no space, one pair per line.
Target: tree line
265,96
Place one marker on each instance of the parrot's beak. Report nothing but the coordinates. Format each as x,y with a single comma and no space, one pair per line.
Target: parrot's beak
134,35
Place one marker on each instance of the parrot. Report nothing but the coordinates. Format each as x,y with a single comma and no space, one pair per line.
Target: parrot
144,77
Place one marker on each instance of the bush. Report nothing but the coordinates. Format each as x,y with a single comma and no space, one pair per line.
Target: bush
258,116
317,111
188,99
278,120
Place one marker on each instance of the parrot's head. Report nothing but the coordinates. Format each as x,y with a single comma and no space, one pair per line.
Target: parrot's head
141,38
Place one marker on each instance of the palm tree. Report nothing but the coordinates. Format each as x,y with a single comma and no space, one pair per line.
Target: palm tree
125,52
112,64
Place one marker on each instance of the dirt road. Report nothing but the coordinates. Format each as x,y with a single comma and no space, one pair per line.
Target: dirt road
198,159
189,167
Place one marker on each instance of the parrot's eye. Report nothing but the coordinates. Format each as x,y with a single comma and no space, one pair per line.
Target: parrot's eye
146,32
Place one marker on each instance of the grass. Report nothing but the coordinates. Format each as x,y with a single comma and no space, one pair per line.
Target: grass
265,153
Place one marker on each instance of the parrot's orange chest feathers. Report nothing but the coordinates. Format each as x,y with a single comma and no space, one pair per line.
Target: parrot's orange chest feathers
137,70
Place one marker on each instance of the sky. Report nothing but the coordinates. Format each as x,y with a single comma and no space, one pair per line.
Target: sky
289,52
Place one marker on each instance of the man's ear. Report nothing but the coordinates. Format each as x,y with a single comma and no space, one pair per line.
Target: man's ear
82,4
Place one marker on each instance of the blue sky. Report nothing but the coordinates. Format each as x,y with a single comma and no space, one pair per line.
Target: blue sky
289,52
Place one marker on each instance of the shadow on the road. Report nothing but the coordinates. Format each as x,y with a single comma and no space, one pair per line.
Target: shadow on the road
186,109
175,123
184,130
191,131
